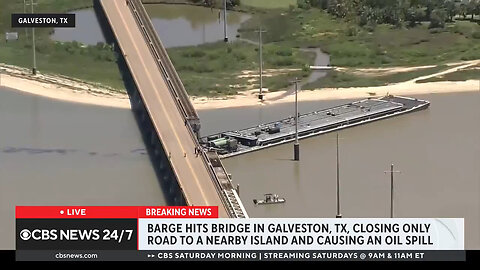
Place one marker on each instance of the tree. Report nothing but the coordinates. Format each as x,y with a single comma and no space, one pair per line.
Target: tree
437,18
322,4
472,7
414,15
393,16
303,4
232,3
451,9
344,8
462,10
477,7
430,5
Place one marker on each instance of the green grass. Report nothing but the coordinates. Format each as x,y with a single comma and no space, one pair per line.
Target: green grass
338,79
70,59
268,4
341,79
352,46
213,69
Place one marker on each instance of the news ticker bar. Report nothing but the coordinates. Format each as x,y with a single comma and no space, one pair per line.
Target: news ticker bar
244,255
198,230
20,20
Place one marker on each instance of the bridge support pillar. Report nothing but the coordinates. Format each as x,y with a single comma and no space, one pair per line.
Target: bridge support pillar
157,151
162,164
176,200
165,178
136,101
172,188
143,116
296,152
153,138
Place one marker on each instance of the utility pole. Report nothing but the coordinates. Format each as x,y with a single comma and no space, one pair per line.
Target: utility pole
391,188
296,146
34,68
24,12
260,51
225,20
339,215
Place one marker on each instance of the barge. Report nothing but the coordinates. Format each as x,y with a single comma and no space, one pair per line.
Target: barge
237,142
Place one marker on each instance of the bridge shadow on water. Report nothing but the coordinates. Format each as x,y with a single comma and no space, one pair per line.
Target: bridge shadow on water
156,152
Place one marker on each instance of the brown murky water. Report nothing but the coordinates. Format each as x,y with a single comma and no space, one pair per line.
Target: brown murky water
437,152
184,25
54,153
57,153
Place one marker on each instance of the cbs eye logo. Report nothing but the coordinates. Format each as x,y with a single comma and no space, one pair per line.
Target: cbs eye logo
25,234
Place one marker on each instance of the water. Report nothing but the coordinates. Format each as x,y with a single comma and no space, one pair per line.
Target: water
177,25
87,29
437,152
58,153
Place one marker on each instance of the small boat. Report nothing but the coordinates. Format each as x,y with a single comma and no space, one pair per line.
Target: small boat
269,199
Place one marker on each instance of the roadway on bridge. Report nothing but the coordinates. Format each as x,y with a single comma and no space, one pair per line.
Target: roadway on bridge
190,170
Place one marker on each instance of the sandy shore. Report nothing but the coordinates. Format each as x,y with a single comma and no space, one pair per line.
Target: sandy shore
250,99
61,88
408,88
63,93
74,91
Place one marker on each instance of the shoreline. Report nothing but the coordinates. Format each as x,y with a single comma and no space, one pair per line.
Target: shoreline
70,90
340,94
65,93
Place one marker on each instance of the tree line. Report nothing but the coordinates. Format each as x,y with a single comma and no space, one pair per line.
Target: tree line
397,12
217,3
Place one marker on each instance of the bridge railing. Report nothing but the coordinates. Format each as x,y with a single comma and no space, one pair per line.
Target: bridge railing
163,61
232,203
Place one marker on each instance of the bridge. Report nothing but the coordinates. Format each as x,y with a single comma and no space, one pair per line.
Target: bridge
200,174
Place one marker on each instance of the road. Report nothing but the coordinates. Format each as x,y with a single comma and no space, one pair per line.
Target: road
191,171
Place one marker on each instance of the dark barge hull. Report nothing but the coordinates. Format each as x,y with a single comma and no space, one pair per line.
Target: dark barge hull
317,123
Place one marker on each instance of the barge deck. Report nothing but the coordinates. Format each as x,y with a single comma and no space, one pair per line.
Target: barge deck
232,143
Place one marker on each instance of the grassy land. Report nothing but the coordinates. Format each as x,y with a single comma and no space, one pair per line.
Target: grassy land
352,46
214,69
340,79
272,4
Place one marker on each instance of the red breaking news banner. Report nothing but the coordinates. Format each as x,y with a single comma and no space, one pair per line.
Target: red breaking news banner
101,228
117,212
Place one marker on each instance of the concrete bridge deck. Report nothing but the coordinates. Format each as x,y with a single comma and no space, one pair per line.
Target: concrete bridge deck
195,174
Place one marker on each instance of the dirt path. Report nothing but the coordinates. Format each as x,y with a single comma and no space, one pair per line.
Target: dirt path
465,65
